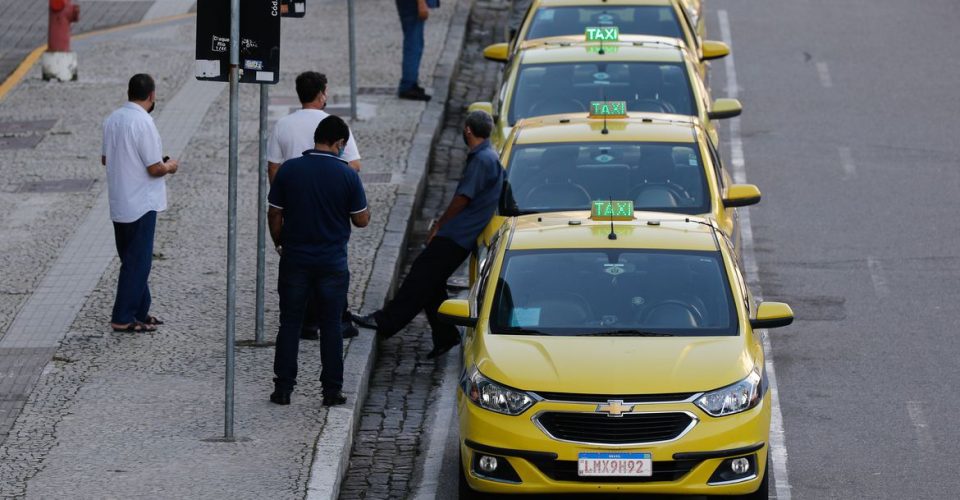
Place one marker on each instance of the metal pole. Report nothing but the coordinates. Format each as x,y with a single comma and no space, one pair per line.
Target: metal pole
232,219
353,61
262,213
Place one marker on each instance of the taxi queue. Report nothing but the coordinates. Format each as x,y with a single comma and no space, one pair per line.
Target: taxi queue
612,344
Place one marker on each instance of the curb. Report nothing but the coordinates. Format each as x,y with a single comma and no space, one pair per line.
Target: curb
332,450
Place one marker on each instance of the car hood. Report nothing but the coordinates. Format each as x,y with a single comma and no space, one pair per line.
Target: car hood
614,365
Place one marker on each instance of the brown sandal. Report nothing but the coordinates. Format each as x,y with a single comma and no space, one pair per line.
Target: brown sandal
135,327
153,320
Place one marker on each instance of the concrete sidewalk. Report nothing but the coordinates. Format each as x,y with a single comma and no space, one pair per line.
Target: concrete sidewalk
90,413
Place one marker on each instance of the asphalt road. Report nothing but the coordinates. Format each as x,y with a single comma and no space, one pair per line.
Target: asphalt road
848,130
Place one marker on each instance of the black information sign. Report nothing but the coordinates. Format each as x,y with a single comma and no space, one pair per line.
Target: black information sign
293,8
259,41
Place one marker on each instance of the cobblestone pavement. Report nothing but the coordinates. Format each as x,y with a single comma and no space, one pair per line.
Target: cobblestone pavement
404,382
128,414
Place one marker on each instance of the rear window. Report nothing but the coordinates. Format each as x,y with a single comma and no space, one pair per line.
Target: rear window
547,89
635,20
663,177
613,292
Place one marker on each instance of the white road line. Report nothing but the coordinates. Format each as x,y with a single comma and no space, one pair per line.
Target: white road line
824,71
441,425
846,162
924,438
878,276
778,449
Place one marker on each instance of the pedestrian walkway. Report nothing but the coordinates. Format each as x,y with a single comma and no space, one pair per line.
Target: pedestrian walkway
90,411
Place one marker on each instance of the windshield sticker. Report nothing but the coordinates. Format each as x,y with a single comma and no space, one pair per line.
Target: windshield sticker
604,158
614,269
601,76
693,160
605,19
525,316
638,301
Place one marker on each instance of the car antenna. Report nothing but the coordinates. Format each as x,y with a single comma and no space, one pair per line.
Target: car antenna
603,98
613,234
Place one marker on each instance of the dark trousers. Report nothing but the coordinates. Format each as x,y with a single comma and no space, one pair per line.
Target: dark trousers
296,284
311,316
135,248
424,289
413,45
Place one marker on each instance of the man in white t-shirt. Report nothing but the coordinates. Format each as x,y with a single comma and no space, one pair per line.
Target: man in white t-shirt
291,137
133,155
293,134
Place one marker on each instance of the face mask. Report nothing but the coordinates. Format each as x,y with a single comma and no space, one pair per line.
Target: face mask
465,141
153,105
340,150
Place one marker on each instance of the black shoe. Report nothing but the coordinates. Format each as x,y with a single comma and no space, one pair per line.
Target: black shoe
350,331
334,399
366,321
309,334
280,397
414,94
442,349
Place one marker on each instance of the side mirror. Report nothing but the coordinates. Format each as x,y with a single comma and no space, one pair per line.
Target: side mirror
497,52
481,106
713,49
772,315
725,108
456,312
741,195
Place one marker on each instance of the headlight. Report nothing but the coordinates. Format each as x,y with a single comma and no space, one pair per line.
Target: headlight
492,396
735,398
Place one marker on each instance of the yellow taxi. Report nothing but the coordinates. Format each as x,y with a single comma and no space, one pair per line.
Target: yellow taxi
651,75
560,20
617,353
661,162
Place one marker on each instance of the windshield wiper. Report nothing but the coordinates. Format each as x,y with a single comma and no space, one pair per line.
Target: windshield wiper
518,331
627,333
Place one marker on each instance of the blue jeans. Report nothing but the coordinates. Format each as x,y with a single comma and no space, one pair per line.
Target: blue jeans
297,283
135,248
412,48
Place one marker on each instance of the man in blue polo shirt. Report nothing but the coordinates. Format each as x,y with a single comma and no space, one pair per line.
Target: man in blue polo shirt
450,242
313,201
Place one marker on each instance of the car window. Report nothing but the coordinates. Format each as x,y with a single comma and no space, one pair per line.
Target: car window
613,292
664,177
656,20
546,89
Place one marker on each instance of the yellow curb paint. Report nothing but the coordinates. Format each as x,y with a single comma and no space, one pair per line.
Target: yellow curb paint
18,74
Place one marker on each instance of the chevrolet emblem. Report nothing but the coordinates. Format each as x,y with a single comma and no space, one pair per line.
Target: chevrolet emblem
614,408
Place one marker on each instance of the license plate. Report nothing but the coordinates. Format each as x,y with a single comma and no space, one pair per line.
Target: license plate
615,464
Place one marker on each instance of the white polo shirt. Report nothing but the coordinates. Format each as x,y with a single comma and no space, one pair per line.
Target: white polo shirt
131,143
293,134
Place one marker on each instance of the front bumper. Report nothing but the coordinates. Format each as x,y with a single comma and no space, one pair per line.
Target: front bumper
539,463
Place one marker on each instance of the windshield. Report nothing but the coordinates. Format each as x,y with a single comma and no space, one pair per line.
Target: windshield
613,292
663,177
634,20
547,89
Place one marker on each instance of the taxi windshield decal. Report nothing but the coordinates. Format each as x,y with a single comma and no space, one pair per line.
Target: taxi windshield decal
602,33
608,109
612,210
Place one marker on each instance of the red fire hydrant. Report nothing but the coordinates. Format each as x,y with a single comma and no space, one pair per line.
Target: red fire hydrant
58,62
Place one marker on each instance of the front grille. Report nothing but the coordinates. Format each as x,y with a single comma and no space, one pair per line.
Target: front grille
626,398
566,470
632,428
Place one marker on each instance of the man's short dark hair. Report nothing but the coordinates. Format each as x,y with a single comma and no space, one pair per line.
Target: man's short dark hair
309,85
140,87
480,123
330,130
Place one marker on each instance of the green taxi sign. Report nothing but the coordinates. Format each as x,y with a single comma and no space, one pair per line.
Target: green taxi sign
612,210
602,33
608,109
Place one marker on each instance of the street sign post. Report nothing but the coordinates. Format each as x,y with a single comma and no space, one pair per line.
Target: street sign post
259,56
351,26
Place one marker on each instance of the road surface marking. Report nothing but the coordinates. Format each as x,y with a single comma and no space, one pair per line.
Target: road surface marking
824,71
443,422
846,162
778,448
878,277
924,438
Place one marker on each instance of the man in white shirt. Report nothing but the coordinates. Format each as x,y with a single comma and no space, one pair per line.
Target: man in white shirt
133,154
292,136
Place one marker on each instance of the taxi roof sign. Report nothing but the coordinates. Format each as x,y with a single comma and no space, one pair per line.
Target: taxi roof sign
611,210
602,33
608,109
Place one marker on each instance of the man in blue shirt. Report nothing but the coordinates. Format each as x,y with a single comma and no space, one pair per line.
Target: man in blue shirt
450,242
313,201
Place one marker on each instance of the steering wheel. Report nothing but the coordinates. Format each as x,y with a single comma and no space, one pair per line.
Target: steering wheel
674,304
535,108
